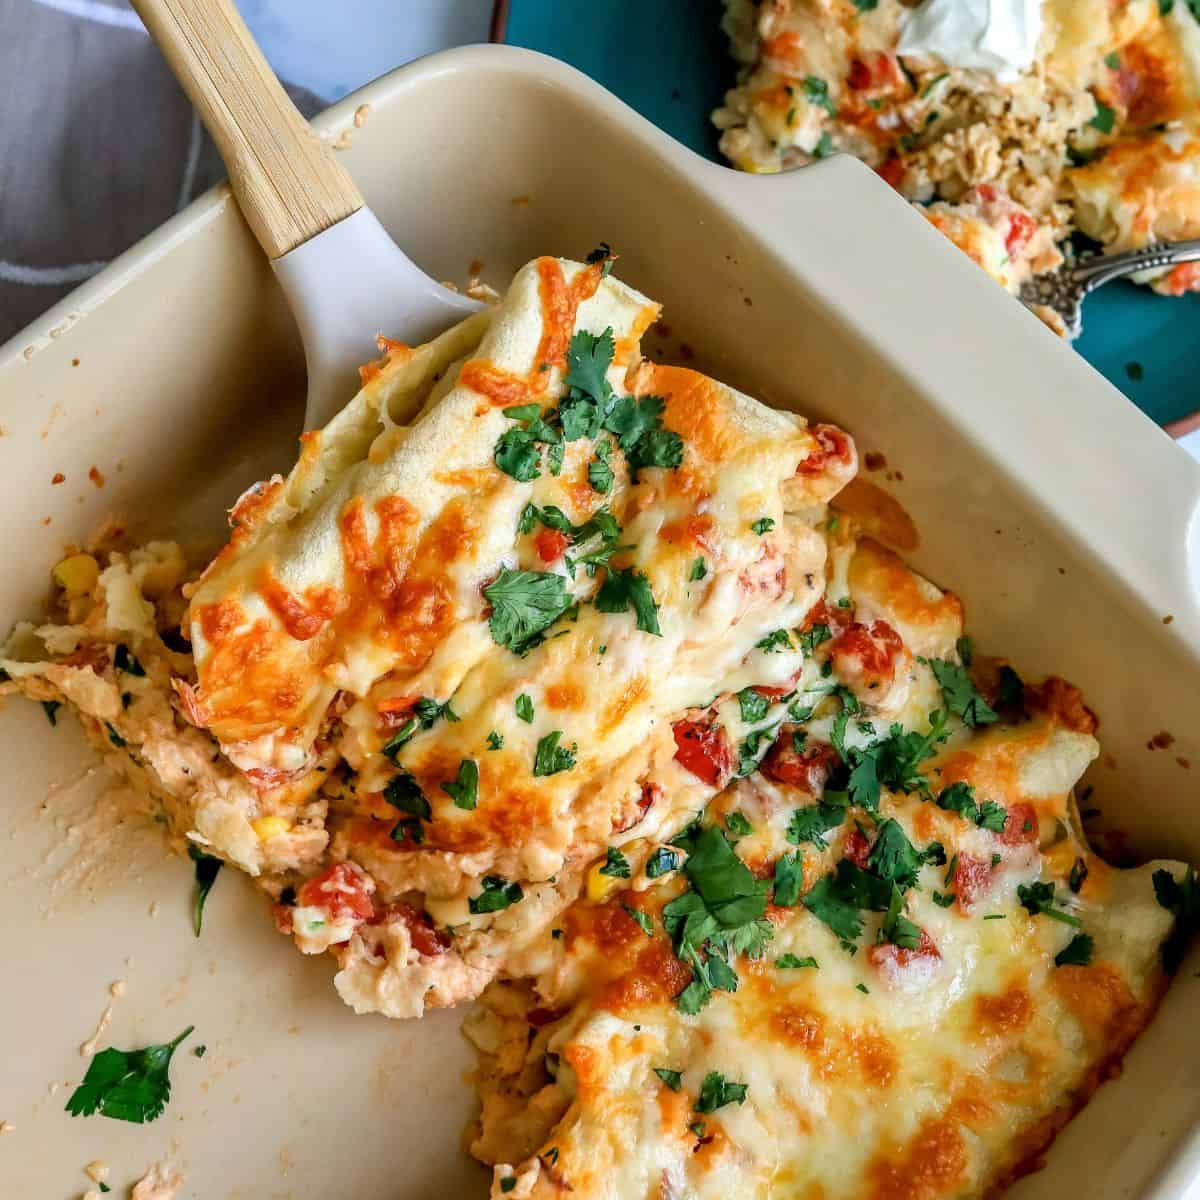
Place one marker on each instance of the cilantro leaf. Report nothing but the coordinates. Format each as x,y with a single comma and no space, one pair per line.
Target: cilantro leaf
643,920
656,448
662,862
403,792
896,927
776,640
827,903
738,824
616,864
621,589
550,758
673,1079
207,869
716,1092
763,525
391,748
495,740
699,571
1079,873
517,455
600,472
753,705
791,962
631,417
430,711
789,879
522,412
124,661
1076,953
992,816
589,356
50,708
524,707
127,1085
814,636
1039,898
893,857
960,798
808,824
524,603
495,894
464,790
1105,117
816,91
960,694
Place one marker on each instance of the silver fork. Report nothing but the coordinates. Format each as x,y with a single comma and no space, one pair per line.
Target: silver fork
1063,290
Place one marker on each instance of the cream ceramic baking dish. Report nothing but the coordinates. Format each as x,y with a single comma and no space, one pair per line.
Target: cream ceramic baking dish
1067,521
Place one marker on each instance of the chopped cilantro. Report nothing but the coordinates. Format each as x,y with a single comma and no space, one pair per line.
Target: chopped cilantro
391,748
1076,953
641,919
495,894
602,254
673,1079
866,5
403,792
523,412
753,705
716,1092
944,899
662,862
623,589
893,762
893,857
50,708
960,798
589,356
862,987
738,824
508,1183
550,758
615,864
816,91
827,902
1113,61
810,822
789,879
992,816
763,525
517,455
600,472
814,636
960,694
127,1085
928,88
464,790
792,962
776,640
1105,117
1039,898
208,867
896,927
495,740
965,649
431,711
524,604
699,571
124,661
524,707
825,147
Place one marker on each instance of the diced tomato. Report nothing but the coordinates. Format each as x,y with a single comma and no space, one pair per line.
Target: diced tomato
856,848
1021,228
703,748
884,955
833,447
773,691
786,48
700,529
986,192
426,938
551,544
879,71
283,918
344,889
859,77
808,769
1021,826
972,875
1181,280
394,711
867,655
892,172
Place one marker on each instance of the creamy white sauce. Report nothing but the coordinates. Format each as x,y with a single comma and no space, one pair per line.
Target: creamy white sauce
999,37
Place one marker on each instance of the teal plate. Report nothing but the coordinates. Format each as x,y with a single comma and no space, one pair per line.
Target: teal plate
669,60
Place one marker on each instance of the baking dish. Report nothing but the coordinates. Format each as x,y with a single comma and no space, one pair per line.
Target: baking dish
1066,520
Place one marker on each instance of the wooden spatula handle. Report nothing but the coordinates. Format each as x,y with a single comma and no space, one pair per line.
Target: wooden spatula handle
288,182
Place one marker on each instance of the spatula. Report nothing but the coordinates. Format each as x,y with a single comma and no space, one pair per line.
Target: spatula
344,277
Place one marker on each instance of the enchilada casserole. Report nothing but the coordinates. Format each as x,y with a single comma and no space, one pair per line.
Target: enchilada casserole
589,686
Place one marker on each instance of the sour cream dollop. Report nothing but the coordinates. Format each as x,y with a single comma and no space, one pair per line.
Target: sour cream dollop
996,36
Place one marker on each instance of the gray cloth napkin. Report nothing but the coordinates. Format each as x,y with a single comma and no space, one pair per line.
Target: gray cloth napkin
98,146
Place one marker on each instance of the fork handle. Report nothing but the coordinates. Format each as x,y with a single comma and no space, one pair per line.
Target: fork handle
1107,267
288,182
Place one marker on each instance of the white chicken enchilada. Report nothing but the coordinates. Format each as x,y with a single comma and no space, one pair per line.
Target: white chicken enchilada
550,676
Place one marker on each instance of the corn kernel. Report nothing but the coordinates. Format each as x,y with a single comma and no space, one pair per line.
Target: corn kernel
77,574
269,827
600,887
